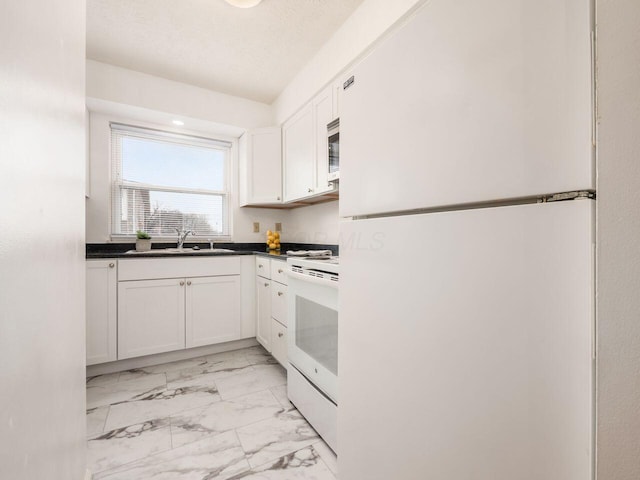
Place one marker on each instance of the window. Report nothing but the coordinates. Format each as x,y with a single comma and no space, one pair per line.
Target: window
164,181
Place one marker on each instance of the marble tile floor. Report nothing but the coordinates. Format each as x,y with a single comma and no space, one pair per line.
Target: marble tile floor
223,416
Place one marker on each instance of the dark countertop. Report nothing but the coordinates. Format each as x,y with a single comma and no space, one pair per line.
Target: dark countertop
162,254
119,250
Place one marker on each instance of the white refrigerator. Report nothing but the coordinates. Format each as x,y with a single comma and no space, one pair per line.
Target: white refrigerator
466,335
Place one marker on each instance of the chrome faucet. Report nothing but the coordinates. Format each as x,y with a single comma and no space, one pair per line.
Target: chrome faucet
182,236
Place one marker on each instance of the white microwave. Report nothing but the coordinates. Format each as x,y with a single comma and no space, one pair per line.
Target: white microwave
333,134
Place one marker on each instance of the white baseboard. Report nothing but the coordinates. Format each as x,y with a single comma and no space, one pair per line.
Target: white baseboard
141,362
88,475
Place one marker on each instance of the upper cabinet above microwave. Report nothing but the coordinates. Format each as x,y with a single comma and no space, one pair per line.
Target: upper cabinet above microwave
305,149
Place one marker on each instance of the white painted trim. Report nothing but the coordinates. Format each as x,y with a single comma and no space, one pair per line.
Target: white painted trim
88,475
160,358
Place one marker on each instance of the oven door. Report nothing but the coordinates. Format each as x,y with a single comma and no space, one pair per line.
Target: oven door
313,334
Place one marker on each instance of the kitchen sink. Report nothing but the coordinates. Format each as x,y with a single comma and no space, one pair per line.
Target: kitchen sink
178,251
191,250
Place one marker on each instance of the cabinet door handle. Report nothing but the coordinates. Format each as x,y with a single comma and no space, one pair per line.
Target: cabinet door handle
259,266
280,334
111,265
188,282
277,198
182,283
310,190
280,294
280,270
266,284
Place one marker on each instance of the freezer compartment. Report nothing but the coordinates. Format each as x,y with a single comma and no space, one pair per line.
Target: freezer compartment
470,102
471,359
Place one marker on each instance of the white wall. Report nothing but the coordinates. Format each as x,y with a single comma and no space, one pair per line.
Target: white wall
618,265
119,85
98,205
42,336
370,20
313,224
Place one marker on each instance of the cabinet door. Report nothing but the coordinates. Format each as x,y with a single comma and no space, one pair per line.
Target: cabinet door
299,155
279,342
261,167
263,330
212,310
150,317
279,302
322,115
101,311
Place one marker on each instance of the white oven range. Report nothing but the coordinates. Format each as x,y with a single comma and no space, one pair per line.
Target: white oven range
313,342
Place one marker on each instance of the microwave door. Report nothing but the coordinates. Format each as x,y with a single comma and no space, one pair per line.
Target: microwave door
334,156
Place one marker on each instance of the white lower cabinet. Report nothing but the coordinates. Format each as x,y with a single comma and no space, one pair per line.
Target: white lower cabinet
151,317
101,312
138,307
263,312
213,313
271,310
173,304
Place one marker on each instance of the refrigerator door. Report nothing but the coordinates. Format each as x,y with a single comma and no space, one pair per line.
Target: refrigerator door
465,345
470,101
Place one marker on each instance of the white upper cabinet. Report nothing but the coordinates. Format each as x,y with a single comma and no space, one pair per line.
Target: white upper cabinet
305,148
463,106
261,167
299,155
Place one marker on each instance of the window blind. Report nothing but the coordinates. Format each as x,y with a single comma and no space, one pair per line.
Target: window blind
164,181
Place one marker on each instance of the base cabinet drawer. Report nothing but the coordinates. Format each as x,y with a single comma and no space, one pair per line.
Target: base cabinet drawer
279,271
279,342
263,267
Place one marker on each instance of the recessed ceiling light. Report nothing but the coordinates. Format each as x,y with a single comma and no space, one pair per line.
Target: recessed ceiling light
178,122
243,3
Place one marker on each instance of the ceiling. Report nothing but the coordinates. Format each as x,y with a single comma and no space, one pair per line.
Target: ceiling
252,53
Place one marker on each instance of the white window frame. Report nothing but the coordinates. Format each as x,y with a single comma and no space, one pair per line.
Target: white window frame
188,138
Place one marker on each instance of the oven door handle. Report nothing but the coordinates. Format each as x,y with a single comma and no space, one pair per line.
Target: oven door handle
310,279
